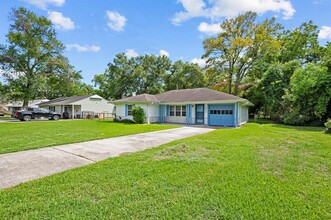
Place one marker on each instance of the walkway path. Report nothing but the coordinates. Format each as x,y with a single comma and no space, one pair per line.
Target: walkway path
28,165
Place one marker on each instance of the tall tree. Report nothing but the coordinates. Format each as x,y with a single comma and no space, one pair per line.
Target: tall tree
150,71
240,45
118,80
300,44
310,91
125,77
184,76
33,51
268,92
62,81
3,91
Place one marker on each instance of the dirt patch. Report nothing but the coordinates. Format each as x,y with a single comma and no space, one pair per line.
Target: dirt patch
291,142
184,152
281,150
272,159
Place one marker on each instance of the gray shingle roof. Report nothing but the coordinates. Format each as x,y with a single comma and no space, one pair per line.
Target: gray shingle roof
65,100
182,95
140,98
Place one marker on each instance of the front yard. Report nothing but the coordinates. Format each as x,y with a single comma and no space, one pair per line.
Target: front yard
6,118
256,172
18,136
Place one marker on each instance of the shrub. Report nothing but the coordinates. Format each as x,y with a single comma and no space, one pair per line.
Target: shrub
138,115
328,125
125,120
295,118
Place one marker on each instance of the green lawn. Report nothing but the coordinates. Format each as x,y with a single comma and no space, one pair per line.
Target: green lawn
256,172
6,118
18,136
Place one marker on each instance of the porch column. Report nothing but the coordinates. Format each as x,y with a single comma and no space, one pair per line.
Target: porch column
72,112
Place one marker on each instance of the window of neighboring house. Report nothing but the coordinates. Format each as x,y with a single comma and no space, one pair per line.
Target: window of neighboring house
172,110
129,110
52,108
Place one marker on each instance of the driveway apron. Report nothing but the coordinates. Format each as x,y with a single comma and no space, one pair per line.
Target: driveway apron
19,167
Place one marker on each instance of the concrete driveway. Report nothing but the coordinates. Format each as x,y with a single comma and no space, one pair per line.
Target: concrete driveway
28,165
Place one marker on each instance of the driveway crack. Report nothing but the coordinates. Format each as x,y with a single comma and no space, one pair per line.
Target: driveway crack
77,155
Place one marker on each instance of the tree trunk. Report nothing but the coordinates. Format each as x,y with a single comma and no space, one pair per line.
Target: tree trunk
230,84
236,87
25,104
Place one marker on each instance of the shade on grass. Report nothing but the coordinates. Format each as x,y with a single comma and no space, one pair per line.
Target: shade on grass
18,136
256,172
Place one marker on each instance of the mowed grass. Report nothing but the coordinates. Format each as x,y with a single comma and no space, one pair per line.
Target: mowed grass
6,118
18,136
256,172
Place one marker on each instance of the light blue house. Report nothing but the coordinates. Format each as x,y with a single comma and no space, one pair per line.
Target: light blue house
188,106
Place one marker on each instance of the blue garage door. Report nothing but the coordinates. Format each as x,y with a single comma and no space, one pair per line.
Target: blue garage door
221,115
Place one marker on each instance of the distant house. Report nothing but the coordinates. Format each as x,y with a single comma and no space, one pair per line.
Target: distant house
16,106
3,107
188,106
79,106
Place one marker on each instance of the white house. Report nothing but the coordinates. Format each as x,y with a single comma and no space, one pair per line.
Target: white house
188,106
79,106
16,106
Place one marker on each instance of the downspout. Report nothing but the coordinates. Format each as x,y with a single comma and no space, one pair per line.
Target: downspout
148,113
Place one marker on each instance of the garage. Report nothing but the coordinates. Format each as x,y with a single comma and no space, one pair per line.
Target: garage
221,115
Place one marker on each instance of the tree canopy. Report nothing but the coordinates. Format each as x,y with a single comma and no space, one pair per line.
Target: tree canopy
240,45
147,74
33,63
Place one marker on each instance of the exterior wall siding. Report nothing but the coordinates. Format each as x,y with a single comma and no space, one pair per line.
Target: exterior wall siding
240,113
95,106
151,111
243,114
175,119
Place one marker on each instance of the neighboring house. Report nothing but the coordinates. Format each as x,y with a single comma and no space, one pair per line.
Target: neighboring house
79,106
16,106
3,108
188,106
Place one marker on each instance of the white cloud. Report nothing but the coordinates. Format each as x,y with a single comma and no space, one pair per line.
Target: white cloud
116,21
60,21
131,53
325,33
164,53
209,29
194,8
317,2
219,9
43,4
84,48
201,62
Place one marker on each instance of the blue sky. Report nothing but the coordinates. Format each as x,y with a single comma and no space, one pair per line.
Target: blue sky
94,31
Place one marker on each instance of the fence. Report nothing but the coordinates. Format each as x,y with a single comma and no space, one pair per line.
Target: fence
106,116
102,116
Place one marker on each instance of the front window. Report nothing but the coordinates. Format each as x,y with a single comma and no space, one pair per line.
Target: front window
183,110
129,110
172,110
177,110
